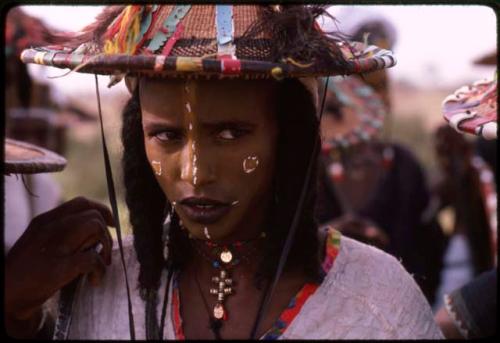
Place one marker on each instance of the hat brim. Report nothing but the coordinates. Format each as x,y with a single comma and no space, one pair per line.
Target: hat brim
26,158
489,59
473,109
362,114
360,58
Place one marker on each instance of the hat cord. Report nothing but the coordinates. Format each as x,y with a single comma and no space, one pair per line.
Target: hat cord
291,233
114,207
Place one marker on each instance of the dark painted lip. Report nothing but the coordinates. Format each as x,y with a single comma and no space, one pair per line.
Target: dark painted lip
204,210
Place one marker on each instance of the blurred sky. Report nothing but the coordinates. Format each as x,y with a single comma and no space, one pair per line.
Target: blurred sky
435,46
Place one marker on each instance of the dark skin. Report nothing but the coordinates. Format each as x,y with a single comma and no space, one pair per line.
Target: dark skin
362,172
229,121
56,248
453,154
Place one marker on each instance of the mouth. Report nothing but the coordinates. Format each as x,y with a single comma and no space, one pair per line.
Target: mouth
204,210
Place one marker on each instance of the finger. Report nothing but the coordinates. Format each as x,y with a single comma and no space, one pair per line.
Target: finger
70,233
106,245
86,262
74,206
96,274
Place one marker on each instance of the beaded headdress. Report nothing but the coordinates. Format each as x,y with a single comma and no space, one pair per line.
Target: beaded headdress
356,111
473,109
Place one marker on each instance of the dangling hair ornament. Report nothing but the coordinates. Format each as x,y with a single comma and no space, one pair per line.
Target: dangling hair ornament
387,157
336,169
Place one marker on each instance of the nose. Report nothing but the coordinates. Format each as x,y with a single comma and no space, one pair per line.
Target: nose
196,165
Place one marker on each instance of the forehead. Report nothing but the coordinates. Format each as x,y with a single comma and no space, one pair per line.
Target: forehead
207,95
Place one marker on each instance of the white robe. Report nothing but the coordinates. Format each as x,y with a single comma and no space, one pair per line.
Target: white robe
367,294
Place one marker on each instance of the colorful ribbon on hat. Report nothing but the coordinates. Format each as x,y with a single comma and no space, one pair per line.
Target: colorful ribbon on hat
126,31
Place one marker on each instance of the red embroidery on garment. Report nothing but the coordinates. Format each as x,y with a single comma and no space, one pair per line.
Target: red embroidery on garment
176,313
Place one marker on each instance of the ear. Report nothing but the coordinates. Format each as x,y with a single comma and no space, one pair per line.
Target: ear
131,82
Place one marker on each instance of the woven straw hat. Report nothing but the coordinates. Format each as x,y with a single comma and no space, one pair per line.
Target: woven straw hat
354,113
473,109
250,41
25,158
487,60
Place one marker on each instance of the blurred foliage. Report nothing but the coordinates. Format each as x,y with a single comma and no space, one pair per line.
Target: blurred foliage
411,132
85,174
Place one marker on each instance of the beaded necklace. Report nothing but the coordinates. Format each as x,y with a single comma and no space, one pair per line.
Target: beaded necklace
226,257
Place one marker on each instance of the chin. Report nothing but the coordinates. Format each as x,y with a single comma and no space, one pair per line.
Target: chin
216,231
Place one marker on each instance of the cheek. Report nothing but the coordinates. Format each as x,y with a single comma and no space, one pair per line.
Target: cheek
159,163
256,169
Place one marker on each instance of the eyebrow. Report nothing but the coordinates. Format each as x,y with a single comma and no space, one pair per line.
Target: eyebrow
228,123
151,126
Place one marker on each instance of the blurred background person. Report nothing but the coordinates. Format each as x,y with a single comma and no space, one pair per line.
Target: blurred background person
470,311
360,178
487,149
382,181
466,192
32,115
23,159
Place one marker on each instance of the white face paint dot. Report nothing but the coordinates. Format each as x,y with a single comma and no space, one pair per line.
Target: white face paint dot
234,203
188,107
250,164
156,167
205,231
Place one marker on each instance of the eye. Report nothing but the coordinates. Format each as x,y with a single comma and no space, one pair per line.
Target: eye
167,135
229,134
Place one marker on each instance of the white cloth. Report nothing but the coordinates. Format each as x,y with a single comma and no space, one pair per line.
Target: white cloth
21,207
367,294
458,268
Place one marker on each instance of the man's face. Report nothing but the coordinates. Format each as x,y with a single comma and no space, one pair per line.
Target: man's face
212,147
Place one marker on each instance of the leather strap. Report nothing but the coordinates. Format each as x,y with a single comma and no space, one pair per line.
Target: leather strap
291,233
114,207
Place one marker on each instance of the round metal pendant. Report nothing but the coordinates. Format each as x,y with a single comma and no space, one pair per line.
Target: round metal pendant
226,256
218,311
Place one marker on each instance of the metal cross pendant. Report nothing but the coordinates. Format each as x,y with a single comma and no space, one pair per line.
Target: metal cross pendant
224,288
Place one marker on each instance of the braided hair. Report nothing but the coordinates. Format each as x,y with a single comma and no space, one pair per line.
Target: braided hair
147,204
